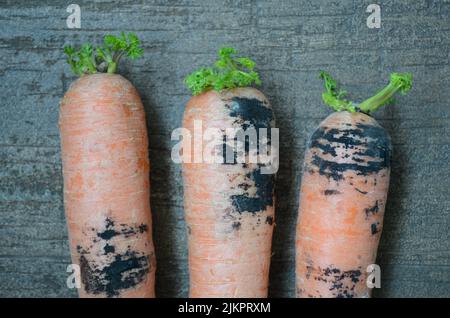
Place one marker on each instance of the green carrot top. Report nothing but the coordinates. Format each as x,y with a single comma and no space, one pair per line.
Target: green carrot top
335,98
90,60
228,72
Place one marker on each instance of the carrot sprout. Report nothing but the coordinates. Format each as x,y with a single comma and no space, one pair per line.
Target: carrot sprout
228,72
334,98
401,82
87,60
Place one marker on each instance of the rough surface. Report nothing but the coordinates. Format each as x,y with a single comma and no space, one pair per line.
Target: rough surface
291,41
348,153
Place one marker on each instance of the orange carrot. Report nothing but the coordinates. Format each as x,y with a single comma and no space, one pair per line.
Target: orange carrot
106,186
229,209
229,206
343,196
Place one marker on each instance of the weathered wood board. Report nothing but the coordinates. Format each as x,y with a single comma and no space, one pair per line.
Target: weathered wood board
291,41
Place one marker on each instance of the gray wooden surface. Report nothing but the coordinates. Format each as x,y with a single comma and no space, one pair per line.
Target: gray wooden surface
291,41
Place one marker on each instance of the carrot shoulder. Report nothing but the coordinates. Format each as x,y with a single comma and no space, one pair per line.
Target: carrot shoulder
343,196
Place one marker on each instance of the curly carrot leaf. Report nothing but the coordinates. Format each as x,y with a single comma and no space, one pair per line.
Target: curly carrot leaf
246,62
228,72
333,97
90,60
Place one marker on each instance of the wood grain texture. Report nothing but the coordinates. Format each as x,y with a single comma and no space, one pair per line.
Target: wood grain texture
290,41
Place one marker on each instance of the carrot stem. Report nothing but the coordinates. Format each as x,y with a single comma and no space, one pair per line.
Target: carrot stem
399,82
112,67
335,98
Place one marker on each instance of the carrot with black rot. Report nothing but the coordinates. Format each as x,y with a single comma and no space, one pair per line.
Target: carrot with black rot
229,205
343,195
104,151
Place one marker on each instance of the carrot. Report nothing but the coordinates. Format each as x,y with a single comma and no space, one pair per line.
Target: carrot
343,195
106,174
229,206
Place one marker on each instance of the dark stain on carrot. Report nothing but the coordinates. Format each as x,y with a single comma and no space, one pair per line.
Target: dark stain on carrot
109,231
244,186
331,192
264,184
236,225
124,271
107,234
120,270
356,159
143,228
125,230
372,210
109,249
320,135
229,154
374,228
343,282
249,113
361,191
371,142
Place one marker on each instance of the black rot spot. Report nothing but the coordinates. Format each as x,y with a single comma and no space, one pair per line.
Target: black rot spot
362,192
342,283
269,220
373,142
125,271
374,228
118,270
331,192
109,231
248,113
109,249
372,210
264,184
143,228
